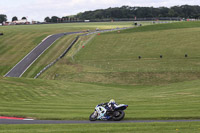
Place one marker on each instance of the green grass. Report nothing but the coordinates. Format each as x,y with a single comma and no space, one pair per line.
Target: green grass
108,67
49,99
17,41
113,57
179,127
169,26
50,55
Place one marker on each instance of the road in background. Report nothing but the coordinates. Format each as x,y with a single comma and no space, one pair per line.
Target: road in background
20,68
29,59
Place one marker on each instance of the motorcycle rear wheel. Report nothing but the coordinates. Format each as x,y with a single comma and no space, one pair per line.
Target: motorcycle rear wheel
92,118
119,115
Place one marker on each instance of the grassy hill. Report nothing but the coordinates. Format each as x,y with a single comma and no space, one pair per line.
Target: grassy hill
107,67
113,57
18,41
49,99
43,99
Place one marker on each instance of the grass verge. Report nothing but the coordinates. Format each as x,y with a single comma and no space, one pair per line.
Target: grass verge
176,127
48,99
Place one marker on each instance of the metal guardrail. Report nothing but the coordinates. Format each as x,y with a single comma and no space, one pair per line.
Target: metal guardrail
61,56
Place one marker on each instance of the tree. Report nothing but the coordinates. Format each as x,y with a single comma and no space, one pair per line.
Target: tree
23,18
55,19
164,11
47,19
14,18
171,13
3,18
65,19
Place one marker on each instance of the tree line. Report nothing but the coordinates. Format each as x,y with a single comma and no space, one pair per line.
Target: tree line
183,11
55,19
3,18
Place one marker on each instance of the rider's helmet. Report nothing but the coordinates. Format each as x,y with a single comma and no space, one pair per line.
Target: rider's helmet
112,101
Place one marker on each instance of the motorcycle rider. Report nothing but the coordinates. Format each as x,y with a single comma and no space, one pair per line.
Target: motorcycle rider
110,106
108,111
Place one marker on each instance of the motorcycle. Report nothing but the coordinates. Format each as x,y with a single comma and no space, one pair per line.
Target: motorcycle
102,113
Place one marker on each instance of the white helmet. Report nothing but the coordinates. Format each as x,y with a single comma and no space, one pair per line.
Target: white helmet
111,101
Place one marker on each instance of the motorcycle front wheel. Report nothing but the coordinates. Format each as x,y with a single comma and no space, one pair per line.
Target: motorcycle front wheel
118,115
93,117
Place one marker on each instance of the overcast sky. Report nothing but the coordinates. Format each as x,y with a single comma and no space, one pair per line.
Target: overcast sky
39,9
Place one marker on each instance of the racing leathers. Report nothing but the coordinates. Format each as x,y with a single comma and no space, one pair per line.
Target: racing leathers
109,106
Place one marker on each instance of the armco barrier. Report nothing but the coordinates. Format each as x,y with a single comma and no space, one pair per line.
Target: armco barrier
61,56
74,41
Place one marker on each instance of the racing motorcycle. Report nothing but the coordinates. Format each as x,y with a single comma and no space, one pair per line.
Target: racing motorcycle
101,113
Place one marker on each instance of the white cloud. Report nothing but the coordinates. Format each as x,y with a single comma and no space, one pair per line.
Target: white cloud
39,9
2,11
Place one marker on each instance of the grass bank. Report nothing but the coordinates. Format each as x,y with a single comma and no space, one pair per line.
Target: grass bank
48,99
18,41
112,58
183,127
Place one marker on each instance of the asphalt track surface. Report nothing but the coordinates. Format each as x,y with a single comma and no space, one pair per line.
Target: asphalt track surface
5,121
29,59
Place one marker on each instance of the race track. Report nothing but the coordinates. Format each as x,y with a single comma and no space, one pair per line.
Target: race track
5,121
29,59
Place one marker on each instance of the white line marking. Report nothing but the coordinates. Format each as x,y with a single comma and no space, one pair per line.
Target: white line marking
28,119
38,57
26,56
